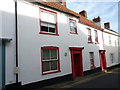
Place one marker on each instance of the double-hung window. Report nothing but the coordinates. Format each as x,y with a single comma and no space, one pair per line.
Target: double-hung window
48,21
109,39
96,36
73,26
50,60
112,57
89,36
92,60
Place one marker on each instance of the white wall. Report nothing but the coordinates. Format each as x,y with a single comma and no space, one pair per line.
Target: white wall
8,30
30,42
111,48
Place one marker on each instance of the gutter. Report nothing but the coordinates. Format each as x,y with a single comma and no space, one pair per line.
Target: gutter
16,33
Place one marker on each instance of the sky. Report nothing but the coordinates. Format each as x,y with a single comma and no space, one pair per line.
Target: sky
106,9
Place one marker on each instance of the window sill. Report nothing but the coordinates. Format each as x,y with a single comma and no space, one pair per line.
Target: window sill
73,33
90,42
45,73
49,33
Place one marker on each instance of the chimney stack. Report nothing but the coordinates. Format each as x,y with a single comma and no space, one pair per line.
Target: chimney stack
83,13
107,25
96,20
62,2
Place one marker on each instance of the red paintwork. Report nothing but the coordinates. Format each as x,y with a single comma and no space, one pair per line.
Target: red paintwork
90,36
51,47
76,57
76,26
96,42
56,23
102,60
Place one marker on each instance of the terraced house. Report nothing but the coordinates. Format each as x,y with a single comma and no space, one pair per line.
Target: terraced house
44,42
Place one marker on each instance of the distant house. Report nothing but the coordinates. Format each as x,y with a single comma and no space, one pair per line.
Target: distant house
44,42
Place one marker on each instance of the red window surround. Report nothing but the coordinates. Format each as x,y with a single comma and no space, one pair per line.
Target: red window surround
41,9
75,25
90,41
92,66
96,37
50,47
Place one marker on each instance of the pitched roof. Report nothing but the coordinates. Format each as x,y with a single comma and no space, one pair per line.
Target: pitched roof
62,8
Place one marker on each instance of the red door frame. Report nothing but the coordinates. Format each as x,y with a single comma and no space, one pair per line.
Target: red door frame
78,51
102,60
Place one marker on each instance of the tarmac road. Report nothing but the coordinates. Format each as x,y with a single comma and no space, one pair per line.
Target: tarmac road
110,80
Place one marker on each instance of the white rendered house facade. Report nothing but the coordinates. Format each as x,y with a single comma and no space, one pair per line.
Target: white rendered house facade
49,43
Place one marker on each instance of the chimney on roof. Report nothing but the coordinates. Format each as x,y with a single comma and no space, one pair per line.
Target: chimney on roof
83,13
98,19
107,25
62,2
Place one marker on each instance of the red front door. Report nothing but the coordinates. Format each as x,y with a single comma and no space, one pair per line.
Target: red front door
102,60
76,57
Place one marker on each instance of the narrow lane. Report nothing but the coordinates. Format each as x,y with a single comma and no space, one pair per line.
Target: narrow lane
110,80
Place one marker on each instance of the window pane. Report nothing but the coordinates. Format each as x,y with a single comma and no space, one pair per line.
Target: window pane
46,66
46,54
91,55
52,28
44,27
73,29
53,53
89,32
51,18
91,61
72,23
89,38
44,16
54,65
112,57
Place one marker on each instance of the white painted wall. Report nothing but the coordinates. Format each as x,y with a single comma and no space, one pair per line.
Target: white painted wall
8,30
111,48
30,42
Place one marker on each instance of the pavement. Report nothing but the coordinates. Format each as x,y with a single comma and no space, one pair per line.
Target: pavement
90,81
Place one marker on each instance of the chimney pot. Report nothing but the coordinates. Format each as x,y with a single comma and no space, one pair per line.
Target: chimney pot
107,25
62,2
83,13
98,19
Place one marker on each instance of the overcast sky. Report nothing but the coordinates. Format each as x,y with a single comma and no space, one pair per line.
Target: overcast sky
107,10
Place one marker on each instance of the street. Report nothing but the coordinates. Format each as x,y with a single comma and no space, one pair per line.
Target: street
110,80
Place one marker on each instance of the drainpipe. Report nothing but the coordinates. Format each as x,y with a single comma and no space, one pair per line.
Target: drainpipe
16,32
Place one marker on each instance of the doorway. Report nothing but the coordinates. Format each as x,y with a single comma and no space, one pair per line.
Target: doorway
102,60
76,58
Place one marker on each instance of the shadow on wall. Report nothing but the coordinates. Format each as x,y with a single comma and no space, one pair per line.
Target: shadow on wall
112,50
